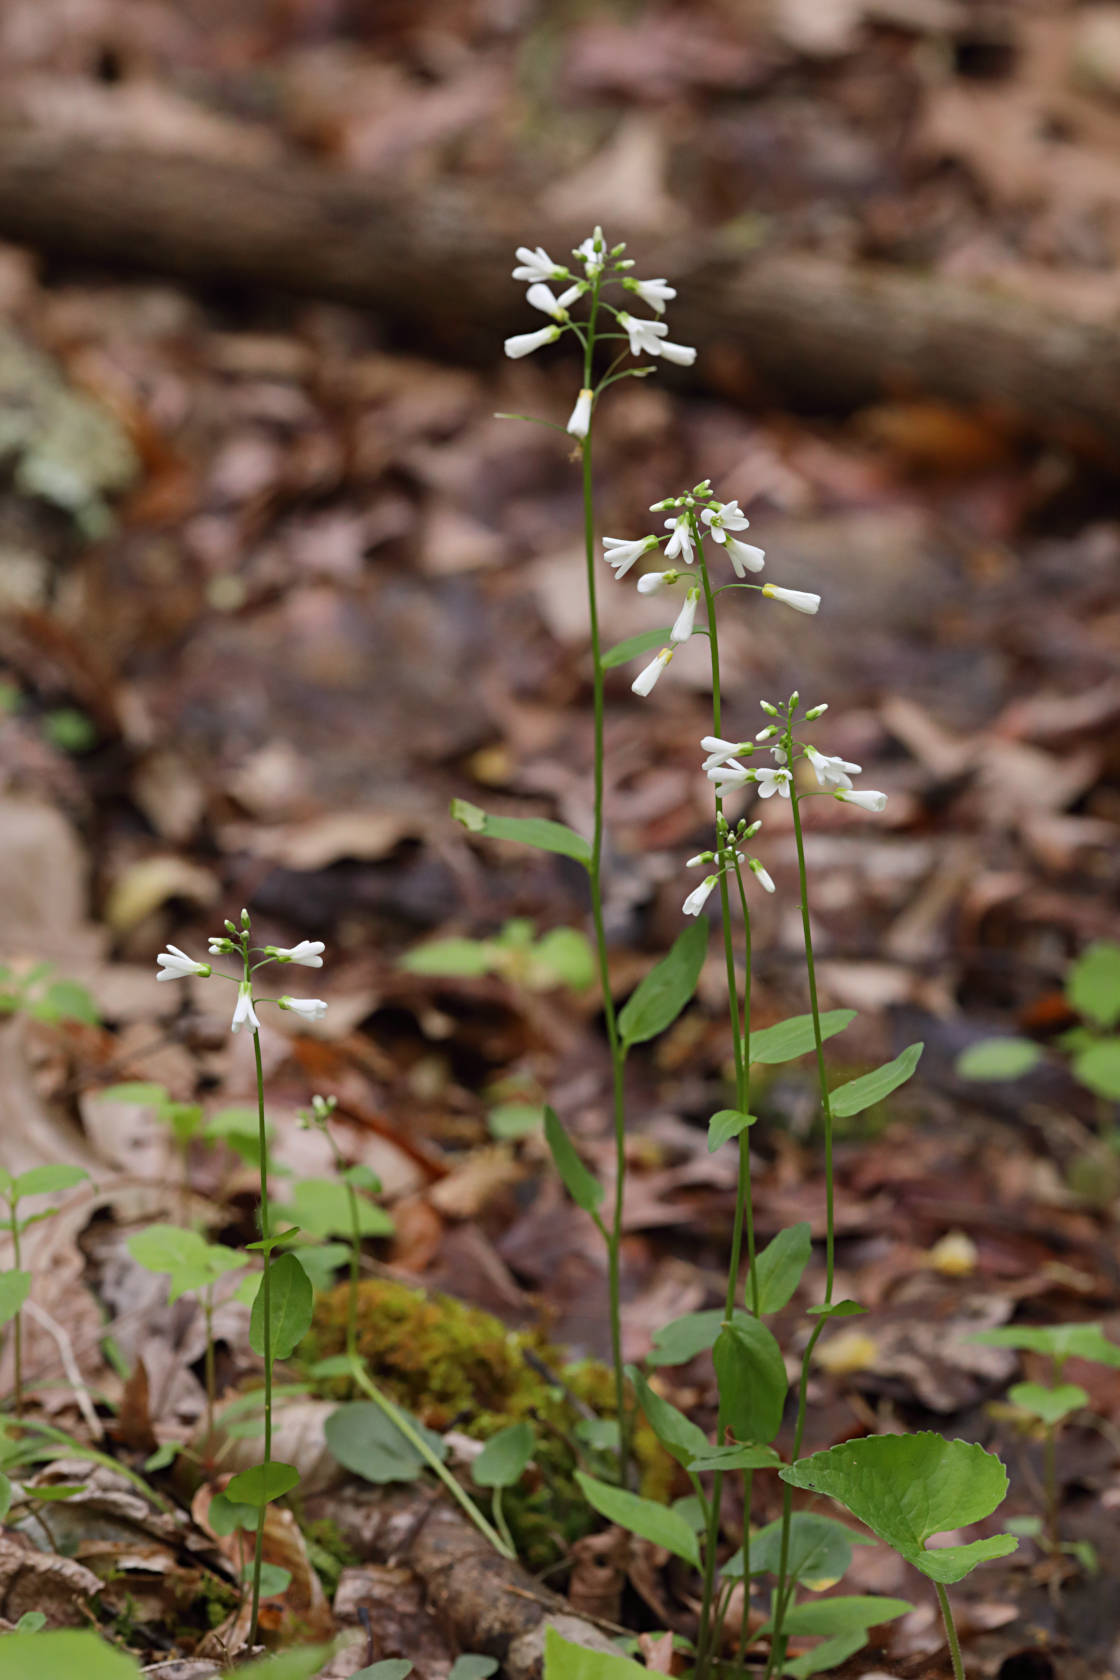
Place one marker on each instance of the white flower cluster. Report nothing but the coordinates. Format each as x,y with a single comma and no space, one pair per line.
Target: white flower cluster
726,858
174,964
601,268
697,515
723,764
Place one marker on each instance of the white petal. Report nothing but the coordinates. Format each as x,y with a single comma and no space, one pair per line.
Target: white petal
699,896
744,557
646,679
523,344
686,618
579,421
683,354
801,600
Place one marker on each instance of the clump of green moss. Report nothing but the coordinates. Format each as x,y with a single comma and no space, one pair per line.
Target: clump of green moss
456,1366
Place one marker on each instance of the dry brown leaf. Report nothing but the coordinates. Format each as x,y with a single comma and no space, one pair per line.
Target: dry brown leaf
35,1580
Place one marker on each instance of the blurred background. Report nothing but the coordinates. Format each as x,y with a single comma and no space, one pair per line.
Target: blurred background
276,586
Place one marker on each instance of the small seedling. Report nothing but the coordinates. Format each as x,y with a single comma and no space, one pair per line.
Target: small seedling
15,1285
561,957
36,995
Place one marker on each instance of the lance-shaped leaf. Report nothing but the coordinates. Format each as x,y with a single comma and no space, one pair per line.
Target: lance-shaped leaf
786,1040
872,1087
291,1302
778,1268
840,1615
54,1175
564,1660
677,1434
15,1287
657,1002
752,1380
1060,1341
539,832
643,1517
910,1487
585,1191
998,1058
646,641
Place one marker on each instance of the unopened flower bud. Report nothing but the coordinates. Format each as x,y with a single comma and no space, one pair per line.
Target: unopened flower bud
815,712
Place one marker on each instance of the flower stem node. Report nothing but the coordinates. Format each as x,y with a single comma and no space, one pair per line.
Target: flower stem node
308,953
646,679
176,965
309,1009
579,421
244,1015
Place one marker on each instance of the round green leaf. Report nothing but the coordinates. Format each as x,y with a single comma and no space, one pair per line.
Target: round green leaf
1049,1404
503,1459
1060,1341
459,958
683,1338
727,1124
322,1206
820,1550
364,1440
998,1058
1093,983
262,1483
910,1487
1098,1068
274,1578
471,1667
391,1668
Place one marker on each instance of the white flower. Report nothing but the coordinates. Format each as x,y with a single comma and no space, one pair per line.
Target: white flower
680,543
220,946
686,618
537,265
719,751
701,857
655,294
592,252
871,800
244,1015
646,679
831,772
644,336
621,554
311,1009
763,876
176,965
724,517
523,344
744,557
683,354
540,297
579,421
731,775
779,755
771,782
653,582
799,599
699,896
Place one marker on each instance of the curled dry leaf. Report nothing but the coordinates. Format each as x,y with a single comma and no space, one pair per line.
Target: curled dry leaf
302,1608
35,1580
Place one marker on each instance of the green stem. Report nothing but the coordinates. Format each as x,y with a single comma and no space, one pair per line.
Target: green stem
266,1309
784,1591
419,1444
17,1323
595,873
211,1380
1050,1461
950,1631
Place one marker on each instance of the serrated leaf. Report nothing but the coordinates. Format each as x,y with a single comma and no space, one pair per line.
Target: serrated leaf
1093,983
1098,1068
998,1058
504,1458
462,958
909,1487
646,641
872,1087
564,1660
643,1517
752,1380
1060,1341
659,999
291,1303
680,1437
786,1040
262,1483
15,1287
1051,1405
779,1268
727,1124
538,832
364,1440
584,1189
41,1181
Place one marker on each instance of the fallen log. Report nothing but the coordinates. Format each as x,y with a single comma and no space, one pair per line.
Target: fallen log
795,329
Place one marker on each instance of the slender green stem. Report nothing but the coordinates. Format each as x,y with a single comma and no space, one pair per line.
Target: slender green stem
266,1310
595,874
818,1041
785,1587
950,1631
211,1380
1050,1462
401,1421
17,1322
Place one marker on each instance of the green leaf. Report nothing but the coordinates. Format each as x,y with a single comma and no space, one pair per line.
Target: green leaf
503,1460
820,1551
564,1660
779,1267
5,1496
62,1655
871,1088
65,1000
840,1615
728,1123
661,996
322,1206
736,1458
830,1653
136,1091
585,1191
191,1261
321,1261
643,1517
291,1303
40,1181
998,1058
752,1380
262,1483
909,1487
1098,1068
1060,1341
562,957
538,832
471,1667
15,1287
786,1040
225,1515
633,647
461,958
274,1578
1049,1404
391,1668
683,1338
680,1437
508,1121
301,1663
1093,983
338,1365
362,1177
836,1309
30,1622
364,1440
